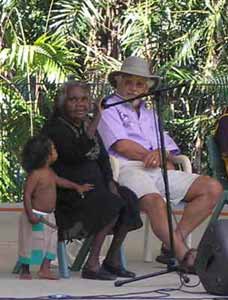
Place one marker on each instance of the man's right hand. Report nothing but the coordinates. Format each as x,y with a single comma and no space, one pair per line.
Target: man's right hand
152,159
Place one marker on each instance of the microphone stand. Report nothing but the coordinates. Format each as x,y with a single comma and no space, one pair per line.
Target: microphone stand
150,93
172,266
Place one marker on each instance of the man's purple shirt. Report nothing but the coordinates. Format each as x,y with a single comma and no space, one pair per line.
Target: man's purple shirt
122,122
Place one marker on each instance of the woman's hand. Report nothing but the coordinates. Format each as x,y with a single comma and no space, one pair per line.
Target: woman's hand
113,188
92,127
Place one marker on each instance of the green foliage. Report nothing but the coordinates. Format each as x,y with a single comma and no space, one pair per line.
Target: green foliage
43,42
48,58
18,122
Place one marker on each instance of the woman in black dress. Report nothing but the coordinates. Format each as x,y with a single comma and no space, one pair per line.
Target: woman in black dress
82,158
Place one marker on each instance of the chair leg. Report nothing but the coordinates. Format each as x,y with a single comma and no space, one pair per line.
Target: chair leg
62,258
147,255
189,241
83,252
123,260
17,268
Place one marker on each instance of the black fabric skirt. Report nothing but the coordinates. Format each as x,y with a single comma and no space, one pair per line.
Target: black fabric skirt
99,208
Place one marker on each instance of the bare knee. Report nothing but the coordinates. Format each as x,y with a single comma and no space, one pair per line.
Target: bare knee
151,202
208,188
214,191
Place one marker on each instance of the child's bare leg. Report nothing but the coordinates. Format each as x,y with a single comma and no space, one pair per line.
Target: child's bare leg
45,271
25,272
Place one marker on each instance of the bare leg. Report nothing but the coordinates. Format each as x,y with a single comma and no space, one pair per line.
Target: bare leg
201,198
45,272
112,262
113,255
154,206
25,272
93,259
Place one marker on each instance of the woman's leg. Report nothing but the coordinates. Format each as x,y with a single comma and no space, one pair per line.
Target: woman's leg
113,256
112,262
92,262
129,219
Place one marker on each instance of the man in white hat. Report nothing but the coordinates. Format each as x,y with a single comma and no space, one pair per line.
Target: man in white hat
129,132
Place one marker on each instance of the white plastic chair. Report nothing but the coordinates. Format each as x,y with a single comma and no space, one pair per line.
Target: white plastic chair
184,164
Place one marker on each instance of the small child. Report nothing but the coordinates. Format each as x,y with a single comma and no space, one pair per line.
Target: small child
37,231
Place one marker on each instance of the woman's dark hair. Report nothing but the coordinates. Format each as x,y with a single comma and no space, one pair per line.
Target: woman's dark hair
35,152
63,92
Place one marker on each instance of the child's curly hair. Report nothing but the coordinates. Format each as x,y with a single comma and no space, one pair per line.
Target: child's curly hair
35,152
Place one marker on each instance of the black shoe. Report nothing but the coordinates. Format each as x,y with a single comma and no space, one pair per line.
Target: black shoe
101,274
165,256
118,271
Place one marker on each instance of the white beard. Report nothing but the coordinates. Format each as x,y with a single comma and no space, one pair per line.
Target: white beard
136,103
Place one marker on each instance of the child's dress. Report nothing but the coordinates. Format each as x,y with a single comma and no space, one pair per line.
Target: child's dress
37,241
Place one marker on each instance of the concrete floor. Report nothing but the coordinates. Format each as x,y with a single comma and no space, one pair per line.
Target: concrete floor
10,286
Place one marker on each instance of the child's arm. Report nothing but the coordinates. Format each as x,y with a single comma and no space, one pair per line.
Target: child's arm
29,188
80,188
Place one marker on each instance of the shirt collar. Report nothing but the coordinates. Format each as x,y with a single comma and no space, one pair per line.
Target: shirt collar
128,104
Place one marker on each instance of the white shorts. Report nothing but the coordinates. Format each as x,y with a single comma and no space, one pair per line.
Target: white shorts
147,181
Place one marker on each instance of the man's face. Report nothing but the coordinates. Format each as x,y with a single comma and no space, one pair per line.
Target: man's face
129,86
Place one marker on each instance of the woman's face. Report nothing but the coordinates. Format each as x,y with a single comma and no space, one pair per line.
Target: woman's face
53,154
76,105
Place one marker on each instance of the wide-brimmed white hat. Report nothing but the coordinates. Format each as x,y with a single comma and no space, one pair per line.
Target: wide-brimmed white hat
134,65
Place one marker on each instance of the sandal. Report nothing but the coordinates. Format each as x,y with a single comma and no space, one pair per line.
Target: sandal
185,264
165,256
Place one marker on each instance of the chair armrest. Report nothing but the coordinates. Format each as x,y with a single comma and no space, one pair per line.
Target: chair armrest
183,161
115,167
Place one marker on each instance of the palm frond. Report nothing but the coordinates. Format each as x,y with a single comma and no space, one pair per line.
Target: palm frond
218,87
48,56
74,17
